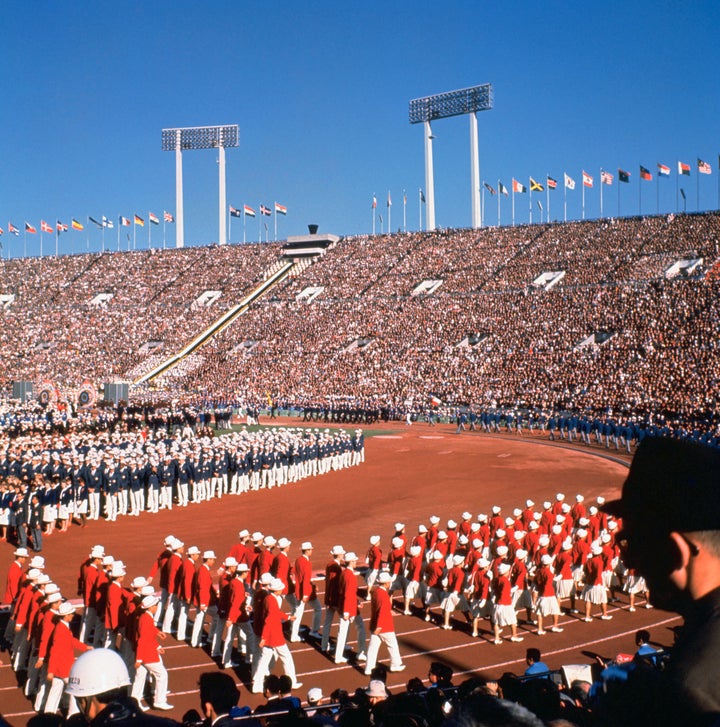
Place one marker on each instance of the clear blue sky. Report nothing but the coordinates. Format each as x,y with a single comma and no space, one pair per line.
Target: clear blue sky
320,91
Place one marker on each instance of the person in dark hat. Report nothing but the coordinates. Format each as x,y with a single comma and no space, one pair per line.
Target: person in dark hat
671,534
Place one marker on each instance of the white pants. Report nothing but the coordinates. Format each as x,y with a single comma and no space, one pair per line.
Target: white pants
298,613
173,603
327,625
160,677
183,608
94,499
55,694
198,625
343,632
247,642
390,640
267,654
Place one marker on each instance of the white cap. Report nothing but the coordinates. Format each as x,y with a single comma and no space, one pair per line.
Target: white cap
337,550
384,577
149,602
374,539
546,559
229,562
350,557
193,550
307,545
397,542
257,536
283,543
503,568
315,694
208,554
496,509
434,519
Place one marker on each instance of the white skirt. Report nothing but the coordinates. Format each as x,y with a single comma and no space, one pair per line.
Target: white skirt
504,616
564,587
5,516
49,513
63,512
453,601
481,609
522,599
595,594
547,606
635,584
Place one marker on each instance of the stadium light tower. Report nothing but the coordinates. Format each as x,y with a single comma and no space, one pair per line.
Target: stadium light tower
453,103
200,137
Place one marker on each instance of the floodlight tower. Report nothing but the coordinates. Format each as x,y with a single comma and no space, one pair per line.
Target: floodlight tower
453,103
200,137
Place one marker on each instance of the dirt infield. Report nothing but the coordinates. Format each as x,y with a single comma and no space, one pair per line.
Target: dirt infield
409,474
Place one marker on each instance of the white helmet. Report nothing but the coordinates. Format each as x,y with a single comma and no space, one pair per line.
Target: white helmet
96,672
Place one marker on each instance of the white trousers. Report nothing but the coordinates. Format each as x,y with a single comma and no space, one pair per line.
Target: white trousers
160,677
390,640
267,654
343,632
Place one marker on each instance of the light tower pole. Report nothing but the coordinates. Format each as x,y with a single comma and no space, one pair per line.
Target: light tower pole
440,106
200,137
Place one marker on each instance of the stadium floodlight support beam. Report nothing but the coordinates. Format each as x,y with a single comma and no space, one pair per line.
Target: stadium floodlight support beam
200,137
453,103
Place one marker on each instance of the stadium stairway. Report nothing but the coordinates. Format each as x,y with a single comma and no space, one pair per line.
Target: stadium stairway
273,276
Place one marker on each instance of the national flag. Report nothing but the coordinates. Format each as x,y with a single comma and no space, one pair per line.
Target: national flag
536,186
167,217
61,226
623,176
249,211
44,227
139,221
435,401
517,187
234,212
374,202
489,188
684,169
704,167
551,183
502,188
29,228
389,202
605,177
280,209
108,223
645,174
587,179
569,182
265,210
13,229
124,221
77,225
663,171
95,222
153,218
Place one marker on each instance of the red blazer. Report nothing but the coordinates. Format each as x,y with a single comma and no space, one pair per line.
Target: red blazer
158,566
146,647
169,573
456,578
348,602
503,591
281,568
333,573
374,558
414,568
381,611
272,632
47,626
303,572
115,603
61,650
91,575
434,573
236,610
12,584
205,594
544,582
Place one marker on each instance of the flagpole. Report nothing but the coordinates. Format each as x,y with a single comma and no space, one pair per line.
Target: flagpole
547,199
57,239
404,211
419,209
583,196
41,241
373,207
530,198
657,193
482,204
244,219
564,198
498,189
618,204
640,181
275,210
677,183
697,197
601,192
119,226
389,206
513,205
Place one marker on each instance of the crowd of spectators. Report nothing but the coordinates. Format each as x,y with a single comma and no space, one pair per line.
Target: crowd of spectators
614,334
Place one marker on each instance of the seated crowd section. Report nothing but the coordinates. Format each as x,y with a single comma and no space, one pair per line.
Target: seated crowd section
370,337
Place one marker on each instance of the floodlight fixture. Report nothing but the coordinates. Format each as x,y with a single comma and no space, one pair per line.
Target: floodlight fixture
200,137
440,106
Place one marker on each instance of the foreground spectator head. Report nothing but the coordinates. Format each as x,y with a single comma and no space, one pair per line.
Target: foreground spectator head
487,711
218,694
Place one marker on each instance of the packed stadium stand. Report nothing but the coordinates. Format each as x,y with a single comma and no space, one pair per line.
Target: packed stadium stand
616,315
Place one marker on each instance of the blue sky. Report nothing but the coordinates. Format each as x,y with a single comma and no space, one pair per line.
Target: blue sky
320,91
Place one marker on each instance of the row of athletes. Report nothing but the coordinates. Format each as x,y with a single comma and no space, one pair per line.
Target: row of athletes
43,646
117,481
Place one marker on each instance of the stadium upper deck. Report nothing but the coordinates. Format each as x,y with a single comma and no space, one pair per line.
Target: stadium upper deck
368,335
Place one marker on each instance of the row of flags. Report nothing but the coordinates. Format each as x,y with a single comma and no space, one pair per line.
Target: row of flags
104,223
265,211
606,178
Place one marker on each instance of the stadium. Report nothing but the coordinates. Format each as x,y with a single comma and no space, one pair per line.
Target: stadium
314,440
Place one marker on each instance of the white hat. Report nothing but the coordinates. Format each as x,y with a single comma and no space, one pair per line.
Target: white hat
474,527
612,525
54,597
600,500
315,694
463,540
66,608
565,508
509,521
149,602
307,545
482,517
500,533
244,533
458,559
519,534
243,568
466,515
517,512
496,509
501,550
118,569
546,559
521,554
229,562
138,582
567,544
96,672
593,510
476,543
606,538
434,519
108,560
442,535
374,539
376,689
503,568
21,553
337,550
208,554
193,550
596,549
51,588
384,577
581,533
397,542
415,550
580,498
257,536
350,557
422,529
556,529
147,590
269,541
529,503
266,579
560,497
483,562
547,504
276,585
37,561
283,543
451,524
437,555
42,579
168,540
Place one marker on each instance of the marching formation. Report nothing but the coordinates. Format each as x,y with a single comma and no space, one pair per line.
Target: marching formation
49,481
